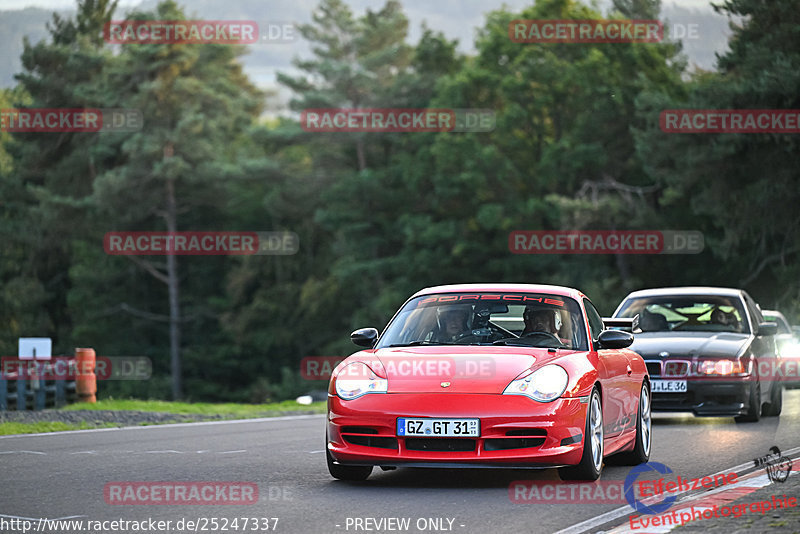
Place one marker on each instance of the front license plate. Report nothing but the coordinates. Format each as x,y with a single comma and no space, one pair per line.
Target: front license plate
439,428
669,386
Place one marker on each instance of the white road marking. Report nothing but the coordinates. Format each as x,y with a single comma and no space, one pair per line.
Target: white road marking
171,425
23,452
84,452
233,452
163,452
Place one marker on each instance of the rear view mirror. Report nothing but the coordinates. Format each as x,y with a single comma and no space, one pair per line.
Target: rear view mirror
364,337
614,339
767,329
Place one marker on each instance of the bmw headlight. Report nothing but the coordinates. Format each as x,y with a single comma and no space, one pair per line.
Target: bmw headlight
543,385
720,367
357,379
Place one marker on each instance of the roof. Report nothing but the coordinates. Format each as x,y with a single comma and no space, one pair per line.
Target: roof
503,288
687,290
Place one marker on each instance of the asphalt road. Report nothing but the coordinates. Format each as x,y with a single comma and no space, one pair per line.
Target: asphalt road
64,475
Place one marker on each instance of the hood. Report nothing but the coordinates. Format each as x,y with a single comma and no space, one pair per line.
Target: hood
688,344
467,369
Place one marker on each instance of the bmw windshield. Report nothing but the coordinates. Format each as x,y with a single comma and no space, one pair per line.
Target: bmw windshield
704,313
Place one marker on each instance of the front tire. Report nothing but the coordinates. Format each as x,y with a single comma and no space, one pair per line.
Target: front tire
775,406
644,433
351,473
591,464
754,409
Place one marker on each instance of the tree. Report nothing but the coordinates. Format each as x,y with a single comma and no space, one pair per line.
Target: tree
197,104
733,185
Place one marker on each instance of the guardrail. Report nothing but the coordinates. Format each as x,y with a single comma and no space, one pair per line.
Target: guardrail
40,384
34,393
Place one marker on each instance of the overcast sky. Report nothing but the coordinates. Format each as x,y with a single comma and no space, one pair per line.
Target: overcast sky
68,4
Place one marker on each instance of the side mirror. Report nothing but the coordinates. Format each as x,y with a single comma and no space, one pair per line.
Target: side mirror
614,339
364,337
767,329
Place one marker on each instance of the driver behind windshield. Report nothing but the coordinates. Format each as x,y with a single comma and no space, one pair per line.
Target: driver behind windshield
453,322
545,320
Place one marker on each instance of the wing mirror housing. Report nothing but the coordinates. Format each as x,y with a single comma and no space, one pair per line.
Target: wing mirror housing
614,339
364,337
767,329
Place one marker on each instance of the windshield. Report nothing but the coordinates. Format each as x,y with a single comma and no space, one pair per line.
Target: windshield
705,313
532,320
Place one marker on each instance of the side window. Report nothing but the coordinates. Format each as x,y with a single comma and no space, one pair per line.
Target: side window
595,321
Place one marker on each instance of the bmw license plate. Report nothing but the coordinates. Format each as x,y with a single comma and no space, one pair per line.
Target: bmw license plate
669,386
439,428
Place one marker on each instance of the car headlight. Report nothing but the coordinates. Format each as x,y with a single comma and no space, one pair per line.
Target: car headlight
543,385
790,351
718,367
357,379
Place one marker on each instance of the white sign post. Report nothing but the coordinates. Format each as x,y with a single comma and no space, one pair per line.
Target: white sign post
35,348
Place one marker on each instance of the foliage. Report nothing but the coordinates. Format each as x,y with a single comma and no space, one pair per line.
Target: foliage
379,215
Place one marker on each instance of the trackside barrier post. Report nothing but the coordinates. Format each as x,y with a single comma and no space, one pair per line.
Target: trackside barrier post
85,379
3,395
39,393
21,395
61,397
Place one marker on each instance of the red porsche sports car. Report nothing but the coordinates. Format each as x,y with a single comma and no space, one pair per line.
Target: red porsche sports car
490,375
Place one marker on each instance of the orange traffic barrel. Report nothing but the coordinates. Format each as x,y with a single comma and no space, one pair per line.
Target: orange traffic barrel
85,379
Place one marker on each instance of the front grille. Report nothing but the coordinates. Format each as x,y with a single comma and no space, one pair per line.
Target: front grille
537,432
358,430
371,441
654,368
502,444
676,368
440,444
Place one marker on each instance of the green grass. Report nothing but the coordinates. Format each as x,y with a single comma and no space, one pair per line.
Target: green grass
7,429
202,408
